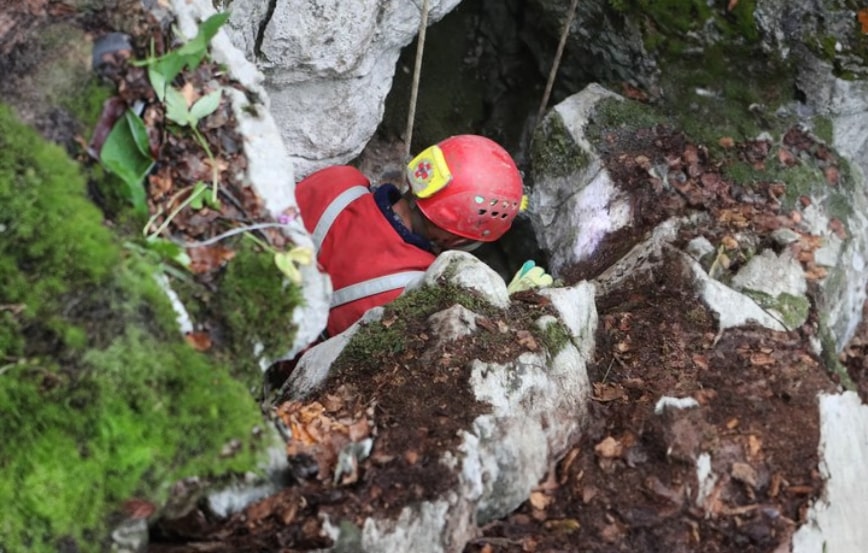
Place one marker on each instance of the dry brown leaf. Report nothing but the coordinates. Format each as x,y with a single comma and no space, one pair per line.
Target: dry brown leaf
200,341
540,501
761,359
527,340
567,463
608,392
726,142
836,226
190,94
862,17
816,273
209,258
744,473
731,5
138,508
729,242
786,158
609,448
754,445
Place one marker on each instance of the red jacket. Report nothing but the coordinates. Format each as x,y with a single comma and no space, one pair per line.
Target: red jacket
368,261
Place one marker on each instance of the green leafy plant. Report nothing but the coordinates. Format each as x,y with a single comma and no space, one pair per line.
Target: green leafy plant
162,70
127,154
126,151
180,113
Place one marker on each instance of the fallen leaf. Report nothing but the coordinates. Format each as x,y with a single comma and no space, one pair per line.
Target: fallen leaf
729,242
609,448
862,16
138,508
731,6
726,142
787,158
761,359
200,341
634,93
836,226
527,340
800,490
754,444
744,473
608,392
540,501
189,93
209,258
567,463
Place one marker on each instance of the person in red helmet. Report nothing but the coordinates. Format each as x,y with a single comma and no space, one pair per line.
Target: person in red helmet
464,190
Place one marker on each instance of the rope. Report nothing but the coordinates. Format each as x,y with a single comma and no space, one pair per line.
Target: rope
417,70
557,60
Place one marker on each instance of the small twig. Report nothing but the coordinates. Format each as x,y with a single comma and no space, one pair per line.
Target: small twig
608,369
193,195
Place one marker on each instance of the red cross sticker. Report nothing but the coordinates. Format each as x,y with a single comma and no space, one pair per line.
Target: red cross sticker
423,170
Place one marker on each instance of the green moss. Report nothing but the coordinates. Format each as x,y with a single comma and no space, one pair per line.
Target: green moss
102,400
257,304
65,72
829,355
417,305
674,26
554,152
617,114
823,129
85,105
793,310
52,239
555,336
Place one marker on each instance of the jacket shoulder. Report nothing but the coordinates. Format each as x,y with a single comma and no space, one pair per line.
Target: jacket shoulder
336,176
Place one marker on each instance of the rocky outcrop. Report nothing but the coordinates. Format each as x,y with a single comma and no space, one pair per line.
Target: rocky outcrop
534,402
329,66
768,288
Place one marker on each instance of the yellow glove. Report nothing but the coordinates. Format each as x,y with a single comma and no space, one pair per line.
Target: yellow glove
529,276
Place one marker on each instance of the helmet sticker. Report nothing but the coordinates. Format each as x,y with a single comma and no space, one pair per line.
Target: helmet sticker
428,173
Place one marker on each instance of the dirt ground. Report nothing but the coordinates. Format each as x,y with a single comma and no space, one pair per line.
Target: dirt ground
630,482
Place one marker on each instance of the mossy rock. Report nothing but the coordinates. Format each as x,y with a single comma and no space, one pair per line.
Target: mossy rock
102,400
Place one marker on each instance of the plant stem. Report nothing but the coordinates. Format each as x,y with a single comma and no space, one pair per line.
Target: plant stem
267,247
185,203
215,175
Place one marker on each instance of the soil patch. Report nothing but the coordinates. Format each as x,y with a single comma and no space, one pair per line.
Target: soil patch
631,484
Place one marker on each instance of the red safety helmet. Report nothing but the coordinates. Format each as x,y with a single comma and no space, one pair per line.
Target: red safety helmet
467,185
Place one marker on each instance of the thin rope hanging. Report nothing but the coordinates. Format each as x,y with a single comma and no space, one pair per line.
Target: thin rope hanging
417,70
557,61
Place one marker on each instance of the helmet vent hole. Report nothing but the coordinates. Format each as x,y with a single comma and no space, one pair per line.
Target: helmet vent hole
495,213
493,203
482,212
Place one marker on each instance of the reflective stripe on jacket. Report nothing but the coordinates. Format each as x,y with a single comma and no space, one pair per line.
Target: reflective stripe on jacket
368,261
